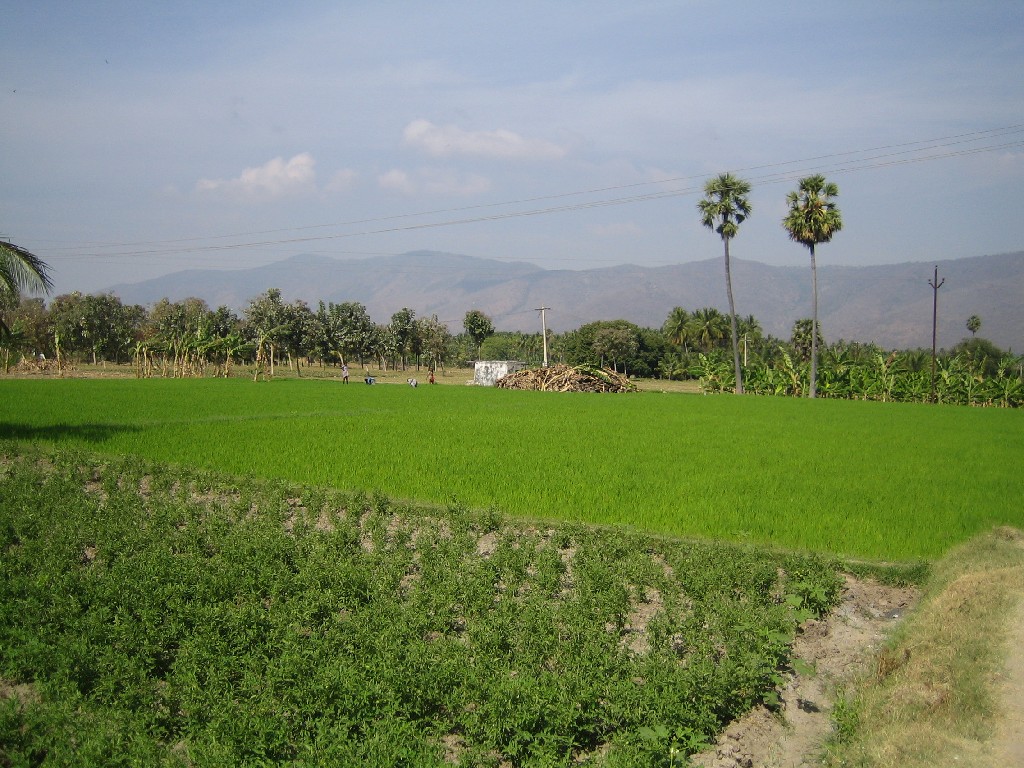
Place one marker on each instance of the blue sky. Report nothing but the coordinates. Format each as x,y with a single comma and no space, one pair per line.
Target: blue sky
144,138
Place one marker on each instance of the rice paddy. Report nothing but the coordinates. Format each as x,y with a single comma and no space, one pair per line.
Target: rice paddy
860,479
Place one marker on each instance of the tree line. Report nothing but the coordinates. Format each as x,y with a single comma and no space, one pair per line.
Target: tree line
188,338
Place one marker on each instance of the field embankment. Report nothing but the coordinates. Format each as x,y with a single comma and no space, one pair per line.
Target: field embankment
947,690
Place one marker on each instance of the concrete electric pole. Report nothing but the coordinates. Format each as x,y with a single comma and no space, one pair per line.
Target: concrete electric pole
544,332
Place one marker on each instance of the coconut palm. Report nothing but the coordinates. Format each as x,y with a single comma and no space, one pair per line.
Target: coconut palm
706,327
675,327
725,206
20,271
813,218
973,324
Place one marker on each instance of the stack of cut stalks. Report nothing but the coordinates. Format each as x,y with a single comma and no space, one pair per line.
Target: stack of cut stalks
565,378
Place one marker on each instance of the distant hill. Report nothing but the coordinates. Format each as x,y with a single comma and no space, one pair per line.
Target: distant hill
889,304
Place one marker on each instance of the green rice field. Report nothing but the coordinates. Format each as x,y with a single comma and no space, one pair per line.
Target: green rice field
857,479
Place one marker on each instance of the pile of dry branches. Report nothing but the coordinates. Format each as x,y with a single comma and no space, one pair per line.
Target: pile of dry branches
565,378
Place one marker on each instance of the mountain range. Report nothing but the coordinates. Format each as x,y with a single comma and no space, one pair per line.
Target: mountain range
890,305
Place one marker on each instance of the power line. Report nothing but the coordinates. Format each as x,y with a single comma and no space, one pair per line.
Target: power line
876,157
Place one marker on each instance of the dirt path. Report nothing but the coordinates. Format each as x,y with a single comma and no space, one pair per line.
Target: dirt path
1008,747
834,649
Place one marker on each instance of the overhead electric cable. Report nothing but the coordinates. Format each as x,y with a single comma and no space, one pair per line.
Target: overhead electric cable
858,164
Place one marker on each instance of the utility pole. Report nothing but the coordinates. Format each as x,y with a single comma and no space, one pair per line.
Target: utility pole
544,332
935,284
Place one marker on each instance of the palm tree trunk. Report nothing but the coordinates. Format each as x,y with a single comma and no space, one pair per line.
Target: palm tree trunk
732,318
813,390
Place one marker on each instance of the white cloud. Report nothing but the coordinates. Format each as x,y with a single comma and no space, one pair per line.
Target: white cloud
342,181
274,179
451,140
445,182
397,181
434,181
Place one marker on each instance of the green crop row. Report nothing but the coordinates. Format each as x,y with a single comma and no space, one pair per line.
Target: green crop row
159,616
864,479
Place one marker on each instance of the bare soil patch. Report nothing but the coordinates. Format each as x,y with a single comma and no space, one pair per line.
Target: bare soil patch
828,652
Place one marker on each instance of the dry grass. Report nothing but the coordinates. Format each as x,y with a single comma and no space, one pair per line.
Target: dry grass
933,695
667,385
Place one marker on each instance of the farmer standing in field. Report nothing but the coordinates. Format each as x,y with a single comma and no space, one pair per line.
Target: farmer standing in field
344,373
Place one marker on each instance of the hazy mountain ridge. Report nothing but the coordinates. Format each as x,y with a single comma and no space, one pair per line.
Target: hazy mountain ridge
888,304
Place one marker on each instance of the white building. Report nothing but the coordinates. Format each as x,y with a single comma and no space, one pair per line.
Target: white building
487,372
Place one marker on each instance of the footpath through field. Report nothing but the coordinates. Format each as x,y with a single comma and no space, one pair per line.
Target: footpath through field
1009,744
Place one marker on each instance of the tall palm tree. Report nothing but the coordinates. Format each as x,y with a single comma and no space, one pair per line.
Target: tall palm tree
813,218
20,271
725,206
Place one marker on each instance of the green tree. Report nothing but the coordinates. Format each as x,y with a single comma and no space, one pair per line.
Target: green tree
751,333
725,206
298,335
974,324
478,326
640,356
616,345
13,343
385,345
109,329
676,327
345,330
32,316
707,327
175,331
20,271
813,218
67,316
983,355
265,322
403,329
801,340
436,341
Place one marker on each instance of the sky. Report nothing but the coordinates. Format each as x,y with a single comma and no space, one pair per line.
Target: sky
139,139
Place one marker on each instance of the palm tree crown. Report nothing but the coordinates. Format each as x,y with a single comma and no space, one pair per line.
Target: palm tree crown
675,326
21,270
725,205
813,215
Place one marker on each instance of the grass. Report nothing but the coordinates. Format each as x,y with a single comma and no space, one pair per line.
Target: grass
932,698
859,479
